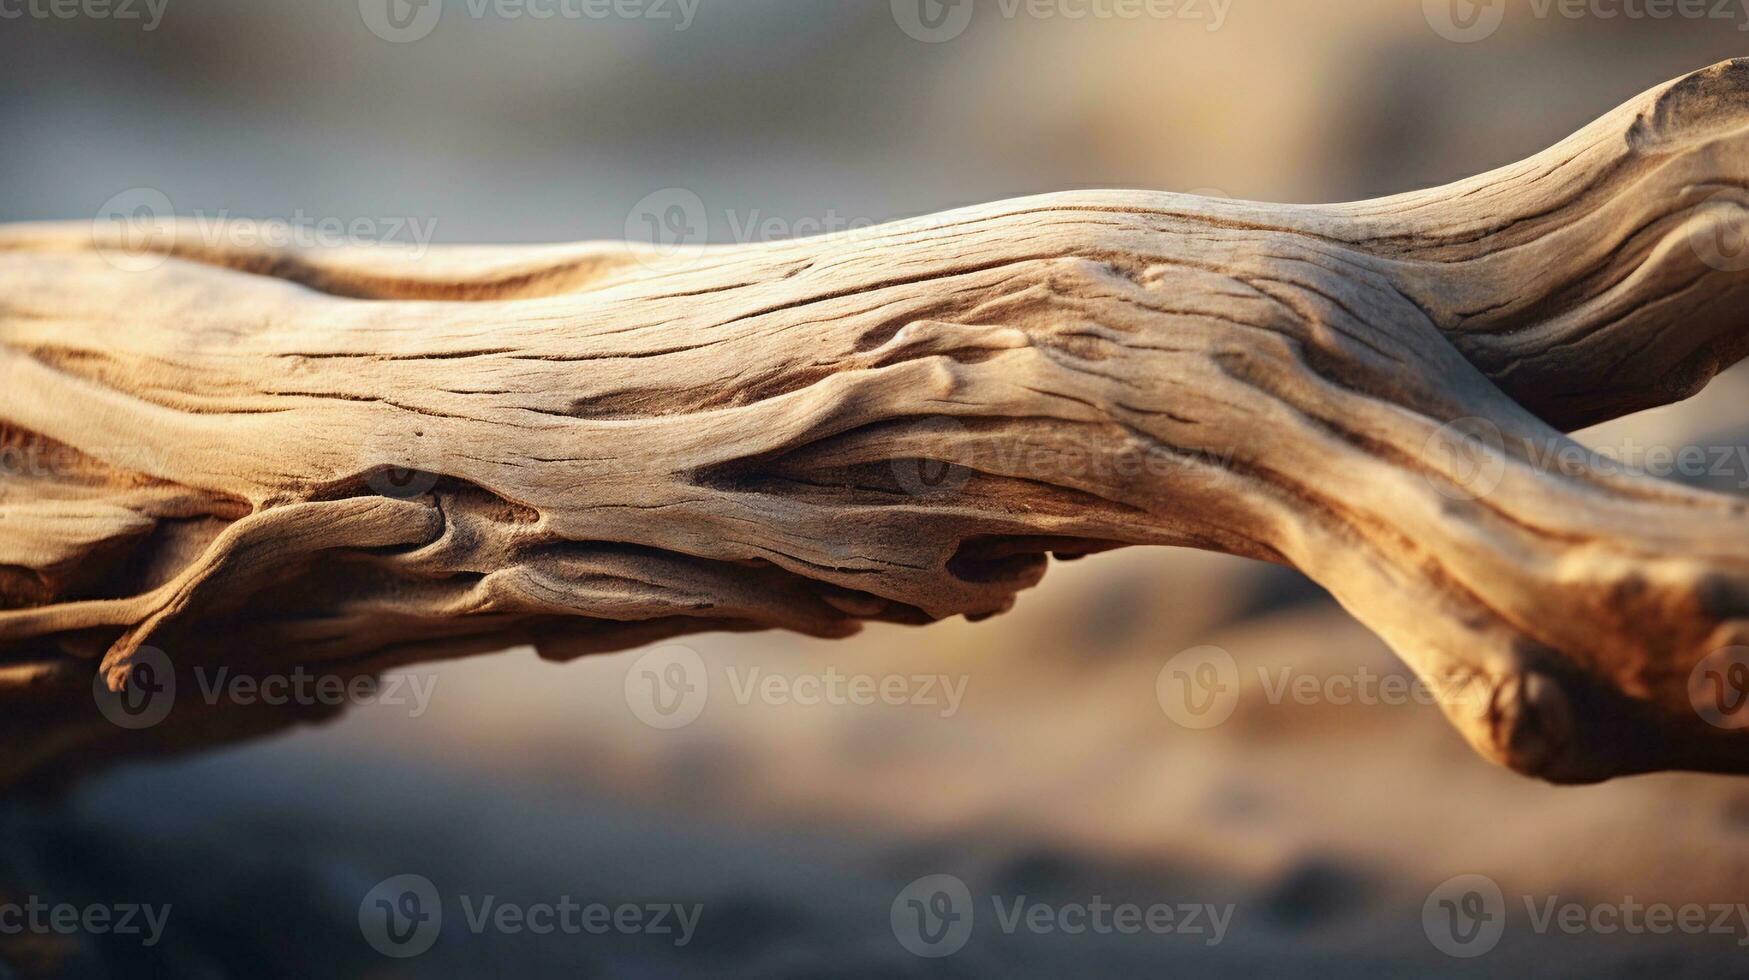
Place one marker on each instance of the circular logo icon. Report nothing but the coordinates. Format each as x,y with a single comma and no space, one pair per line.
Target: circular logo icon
401,916
922,476
1719,234
1199,688
134,230
145,698
1718,688
1474,452
396,466
401,21
667,687
1465,916
211,337
670,221
932,21
1464,21
932,916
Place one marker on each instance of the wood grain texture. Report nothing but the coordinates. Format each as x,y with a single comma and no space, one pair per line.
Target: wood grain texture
354,459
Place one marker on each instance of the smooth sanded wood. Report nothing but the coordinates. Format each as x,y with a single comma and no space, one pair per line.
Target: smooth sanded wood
353,459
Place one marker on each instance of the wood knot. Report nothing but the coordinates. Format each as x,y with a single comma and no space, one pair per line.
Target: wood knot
1530,724
1694,110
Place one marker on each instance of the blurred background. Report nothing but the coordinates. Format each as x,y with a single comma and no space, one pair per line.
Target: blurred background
1062,773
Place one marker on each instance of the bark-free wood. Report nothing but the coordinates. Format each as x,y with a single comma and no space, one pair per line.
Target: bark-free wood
612,445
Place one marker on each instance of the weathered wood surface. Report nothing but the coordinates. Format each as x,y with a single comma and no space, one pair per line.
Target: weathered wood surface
613,445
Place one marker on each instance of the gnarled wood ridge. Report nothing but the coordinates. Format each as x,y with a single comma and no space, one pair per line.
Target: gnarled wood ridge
355,459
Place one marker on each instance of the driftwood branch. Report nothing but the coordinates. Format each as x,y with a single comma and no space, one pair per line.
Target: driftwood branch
357,459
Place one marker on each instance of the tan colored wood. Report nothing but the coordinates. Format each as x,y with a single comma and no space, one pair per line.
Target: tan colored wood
613,445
